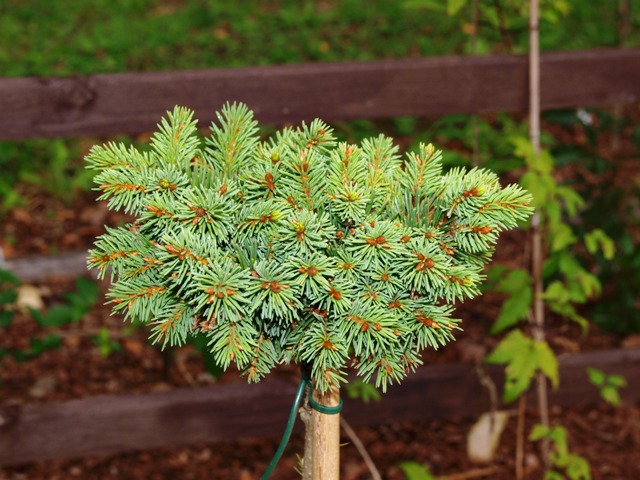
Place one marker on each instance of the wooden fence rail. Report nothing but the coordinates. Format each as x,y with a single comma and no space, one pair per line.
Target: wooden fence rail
113,424
134,102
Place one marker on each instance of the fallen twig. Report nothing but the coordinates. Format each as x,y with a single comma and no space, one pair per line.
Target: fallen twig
375,474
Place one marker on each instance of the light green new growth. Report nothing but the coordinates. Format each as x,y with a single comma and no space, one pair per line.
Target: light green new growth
296,248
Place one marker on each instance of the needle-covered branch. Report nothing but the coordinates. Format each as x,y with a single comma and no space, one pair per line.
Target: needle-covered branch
296,248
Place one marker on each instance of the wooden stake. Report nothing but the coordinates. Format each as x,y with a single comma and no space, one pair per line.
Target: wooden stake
326,438
537,248
307,462
522,405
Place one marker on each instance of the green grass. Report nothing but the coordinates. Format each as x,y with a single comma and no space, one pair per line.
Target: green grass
56,37
44,37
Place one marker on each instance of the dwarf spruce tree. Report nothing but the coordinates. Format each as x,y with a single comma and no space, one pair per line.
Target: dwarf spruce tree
297,248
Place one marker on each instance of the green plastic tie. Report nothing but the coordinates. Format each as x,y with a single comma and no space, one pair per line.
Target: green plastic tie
305,382
302,386
326,409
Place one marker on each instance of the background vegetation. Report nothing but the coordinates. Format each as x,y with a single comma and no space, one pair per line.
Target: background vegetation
44,38
39,37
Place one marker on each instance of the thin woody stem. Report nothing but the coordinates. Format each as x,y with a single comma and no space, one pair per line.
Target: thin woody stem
373,470
537,244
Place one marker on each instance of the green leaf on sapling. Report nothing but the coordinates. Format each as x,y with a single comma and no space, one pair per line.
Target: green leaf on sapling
610,395
37,316
416,471
517,284
532,182
553,475
106,345
37,346
508,348
573,202
566,309
596,240
57,316
578,468
515,351
589,283
617,381
547,361
568,264
6,318
435,5
82,300
514,309
556,292
211,365
562,237
7,276
523,357
596,377
363,390
88,290
553,213
8,296
454,6
538,432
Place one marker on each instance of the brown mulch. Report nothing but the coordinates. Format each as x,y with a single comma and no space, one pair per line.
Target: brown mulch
605,436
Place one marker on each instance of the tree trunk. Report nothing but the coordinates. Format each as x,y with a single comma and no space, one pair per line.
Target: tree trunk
324,458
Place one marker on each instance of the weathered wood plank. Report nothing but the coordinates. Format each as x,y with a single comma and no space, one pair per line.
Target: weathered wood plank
134,102
113,424
42,267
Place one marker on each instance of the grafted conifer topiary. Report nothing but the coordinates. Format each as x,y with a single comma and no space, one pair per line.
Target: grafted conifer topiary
296,248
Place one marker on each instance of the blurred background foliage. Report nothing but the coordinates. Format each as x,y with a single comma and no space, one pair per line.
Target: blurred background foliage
57,38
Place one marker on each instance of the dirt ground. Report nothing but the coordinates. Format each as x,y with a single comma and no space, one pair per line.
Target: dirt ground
606,436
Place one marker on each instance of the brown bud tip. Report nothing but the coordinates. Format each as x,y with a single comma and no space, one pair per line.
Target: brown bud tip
335,294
